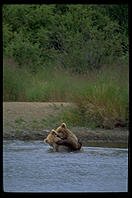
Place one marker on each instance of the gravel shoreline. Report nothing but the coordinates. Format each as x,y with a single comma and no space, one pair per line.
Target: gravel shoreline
14,112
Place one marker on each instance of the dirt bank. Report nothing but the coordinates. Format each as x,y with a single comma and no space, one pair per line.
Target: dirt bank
21,120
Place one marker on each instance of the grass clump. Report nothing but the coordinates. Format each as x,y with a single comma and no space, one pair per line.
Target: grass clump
19,121
15,81
105,101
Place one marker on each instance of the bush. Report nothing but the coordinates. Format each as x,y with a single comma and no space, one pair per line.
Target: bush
75,37
105,101
24,52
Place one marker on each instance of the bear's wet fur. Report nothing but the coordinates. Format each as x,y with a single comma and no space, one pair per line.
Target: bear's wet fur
53,140
68,138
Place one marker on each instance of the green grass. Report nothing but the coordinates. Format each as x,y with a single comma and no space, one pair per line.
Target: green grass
20,121
104,102
15,82
101,96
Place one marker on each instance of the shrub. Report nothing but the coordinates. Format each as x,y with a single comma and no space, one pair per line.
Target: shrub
75,37
105,101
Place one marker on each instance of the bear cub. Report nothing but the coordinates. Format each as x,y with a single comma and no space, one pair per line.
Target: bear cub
52,139
68,138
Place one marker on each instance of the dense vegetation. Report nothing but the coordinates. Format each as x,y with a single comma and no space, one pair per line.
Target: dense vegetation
68,52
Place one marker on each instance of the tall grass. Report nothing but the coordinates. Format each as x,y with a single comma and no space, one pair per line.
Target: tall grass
104,101
101,96
15,81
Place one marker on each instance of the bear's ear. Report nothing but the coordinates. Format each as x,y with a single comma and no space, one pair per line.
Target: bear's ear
53,131
63,125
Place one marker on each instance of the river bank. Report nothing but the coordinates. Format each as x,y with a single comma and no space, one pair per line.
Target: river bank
24,121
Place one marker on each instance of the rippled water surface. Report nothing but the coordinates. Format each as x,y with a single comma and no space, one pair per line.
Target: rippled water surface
33,167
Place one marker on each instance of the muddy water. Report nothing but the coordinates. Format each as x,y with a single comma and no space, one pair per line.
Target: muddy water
31,166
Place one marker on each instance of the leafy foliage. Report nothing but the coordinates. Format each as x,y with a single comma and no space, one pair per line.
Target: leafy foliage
77,37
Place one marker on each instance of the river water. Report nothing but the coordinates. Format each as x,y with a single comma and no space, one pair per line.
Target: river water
31,166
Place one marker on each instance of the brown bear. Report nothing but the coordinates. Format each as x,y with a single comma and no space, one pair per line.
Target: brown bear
68,138
53,139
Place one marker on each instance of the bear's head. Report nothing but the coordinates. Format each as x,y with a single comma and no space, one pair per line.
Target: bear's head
62,131
52,138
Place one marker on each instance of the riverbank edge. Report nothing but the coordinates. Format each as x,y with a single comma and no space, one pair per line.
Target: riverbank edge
18,116
89,137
